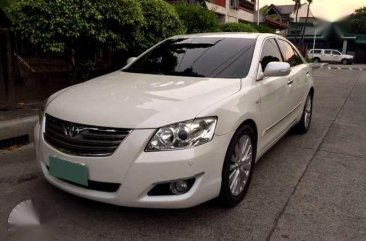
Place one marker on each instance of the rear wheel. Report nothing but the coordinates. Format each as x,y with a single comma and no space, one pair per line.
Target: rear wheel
304,124
238,166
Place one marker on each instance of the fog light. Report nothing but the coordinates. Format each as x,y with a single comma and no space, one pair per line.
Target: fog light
179,187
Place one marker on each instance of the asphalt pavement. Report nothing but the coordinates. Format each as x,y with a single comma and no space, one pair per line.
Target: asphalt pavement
307,187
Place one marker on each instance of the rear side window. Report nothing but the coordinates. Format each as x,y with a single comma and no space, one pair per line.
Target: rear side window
317,51
327,52
289,54
270,53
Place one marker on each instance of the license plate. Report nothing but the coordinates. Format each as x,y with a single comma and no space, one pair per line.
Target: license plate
72,172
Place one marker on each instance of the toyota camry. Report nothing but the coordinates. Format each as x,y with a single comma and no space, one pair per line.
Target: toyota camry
181,124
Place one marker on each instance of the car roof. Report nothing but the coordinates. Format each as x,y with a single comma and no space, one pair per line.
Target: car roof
227,35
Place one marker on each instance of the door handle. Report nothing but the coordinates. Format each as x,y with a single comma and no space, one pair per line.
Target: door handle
290,82
307,73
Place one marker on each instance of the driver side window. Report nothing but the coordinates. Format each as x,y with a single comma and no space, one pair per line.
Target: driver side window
270,53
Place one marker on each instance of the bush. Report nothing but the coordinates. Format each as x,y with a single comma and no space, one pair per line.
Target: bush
197,19
264,28
238,27
78,29
161,21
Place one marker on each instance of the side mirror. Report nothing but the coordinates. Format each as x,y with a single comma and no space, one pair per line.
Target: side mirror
131,59
277,69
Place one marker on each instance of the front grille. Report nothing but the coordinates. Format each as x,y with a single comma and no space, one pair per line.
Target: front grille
83,140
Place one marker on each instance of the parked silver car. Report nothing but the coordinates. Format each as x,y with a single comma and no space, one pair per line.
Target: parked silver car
329,55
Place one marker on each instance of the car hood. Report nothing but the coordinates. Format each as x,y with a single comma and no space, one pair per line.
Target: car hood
131,100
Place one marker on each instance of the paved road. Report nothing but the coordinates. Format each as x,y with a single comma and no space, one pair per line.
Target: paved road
309,187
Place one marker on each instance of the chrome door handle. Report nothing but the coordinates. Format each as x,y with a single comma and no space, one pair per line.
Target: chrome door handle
290,82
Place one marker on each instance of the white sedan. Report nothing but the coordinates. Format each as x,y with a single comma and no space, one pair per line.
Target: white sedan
181,124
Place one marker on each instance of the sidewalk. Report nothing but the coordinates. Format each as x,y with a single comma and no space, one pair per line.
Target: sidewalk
19,121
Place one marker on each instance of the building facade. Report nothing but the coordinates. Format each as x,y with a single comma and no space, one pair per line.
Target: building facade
230,10
284,17
234,10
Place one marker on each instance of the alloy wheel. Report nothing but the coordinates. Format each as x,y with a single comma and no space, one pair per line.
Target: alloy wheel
307,113
240,165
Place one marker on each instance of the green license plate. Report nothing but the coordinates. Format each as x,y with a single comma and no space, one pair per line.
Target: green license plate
73,172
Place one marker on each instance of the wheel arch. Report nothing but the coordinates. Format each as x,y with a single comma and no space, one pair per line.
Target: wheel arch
252,124
312,91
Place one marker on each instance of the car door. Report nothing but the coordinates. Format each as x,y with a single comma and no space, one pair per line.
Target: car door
327,56
298,78
336,55
274,93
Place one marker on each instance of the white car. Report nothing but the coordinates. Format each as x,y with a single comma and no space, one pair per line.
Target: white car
181,124
329,55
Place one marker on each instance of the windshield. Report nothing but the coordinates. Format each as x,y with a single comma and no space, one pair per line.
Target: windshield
198,57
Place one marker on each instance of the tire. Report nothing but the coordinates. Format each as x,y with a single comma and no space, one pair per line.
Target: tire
303,126
316,60
240,158
344,61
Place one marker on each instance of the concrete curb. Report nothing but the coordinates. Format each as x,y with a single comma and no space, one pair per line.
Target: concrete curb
18,127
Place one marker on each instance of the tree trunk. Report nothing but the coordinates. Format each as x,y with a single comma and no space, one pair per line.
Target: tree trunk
296,22
304,27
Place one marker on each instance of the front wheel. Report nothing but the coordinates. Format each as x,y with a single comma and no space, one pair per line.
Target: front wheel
344,61
304,124
238,166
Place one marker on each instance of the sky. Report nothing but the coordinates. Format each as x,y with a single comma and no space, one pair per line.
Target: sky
327,9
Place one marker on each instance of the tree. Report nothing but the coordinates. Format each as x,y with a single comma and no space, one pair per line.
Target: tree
161,21
356,23
78,29
197,19
306,22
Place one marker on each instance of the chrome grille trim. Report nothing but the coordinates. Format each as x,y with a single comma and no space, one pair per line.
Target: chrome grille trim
83,140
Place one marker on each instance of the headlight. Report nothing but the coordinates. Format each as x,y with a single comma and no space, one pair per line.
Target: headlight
183,135
41,111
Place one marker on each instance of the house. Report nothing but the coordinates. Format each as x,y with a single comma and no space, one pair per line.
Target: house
284,17
230,10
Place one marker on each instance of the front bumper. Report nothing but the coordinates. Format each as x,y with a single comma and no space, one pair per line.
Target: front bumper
138,171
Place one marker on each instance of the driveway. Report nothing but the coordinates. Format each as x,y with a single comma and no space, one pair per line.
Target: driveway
307,187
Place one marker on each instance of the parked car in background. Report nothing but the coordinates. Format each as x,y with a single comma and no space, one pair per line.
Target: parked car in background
181,124
329,55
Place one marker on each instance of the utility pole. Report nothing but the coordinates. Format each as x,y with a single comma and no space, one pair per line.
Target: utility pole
258,12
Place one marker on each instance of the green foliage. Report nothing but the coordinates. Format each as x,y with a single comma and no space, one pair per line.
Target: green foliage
4,3
262,28
264,10
161,21
357,21
245,27
197,19
238,27
78,28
